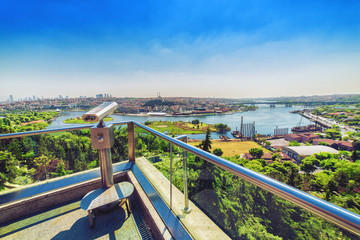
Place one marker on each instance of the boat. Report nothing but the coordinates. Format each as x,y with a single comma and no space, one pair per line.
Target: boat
156,114
236,134
223,137
308,128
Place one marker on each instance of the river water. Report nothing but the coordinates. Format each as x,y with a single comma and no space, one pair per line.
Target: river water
266,119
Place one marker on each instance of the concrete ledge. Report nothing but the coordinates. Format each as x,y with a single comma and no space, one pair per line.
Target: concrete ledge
158,228
197,223
26,206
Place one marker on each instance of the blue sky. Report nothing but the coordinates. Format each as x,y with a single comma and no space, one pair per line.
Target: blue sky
181,48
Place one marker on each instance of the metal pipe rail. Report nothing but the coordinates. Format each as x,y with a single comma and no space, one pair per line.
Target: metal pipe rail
330,212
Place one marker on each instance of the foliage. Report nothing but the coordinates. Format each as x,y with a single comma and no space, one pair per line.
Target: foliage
232,148
42,162
45,156
218,152
356,153
195,121
256,152
177,128
28,121
220,127
8,168
308,164
333,133
276,157
206,143
294,143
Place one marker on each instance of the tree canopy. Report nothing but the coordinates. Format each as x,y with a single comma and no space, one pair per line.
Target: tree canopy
256,152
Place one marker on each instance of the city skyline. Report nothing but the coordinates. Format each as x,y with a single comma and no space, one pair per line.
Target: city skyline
180,48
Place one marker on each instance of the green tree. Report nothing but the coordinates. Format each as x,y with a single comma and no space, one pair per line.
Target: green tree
195,122
8,167
356,153
256,152
294,143
333,133
206,143
307,166
42,162
218,152
206,177
293,177
147,123
220,127
276,157
7,121
331,188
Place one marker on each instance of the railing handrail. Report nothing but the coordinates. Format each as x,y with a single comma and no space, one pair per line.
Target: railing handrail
330,212
54,130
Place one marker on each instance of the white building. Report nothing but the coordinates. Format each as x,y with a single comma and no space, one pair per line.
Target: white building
300,152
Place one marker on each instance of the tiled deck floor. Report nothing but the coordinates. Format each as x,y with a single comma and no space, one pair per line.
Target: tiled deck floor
71,222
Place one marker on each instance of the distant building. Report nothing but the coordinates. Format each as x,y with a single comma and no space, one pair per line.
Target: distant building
11,99
99,95
300,152
340,145
301,137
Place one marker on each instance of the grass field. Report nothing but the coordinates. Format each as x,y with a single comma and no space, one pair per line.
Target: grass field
232,148
179,127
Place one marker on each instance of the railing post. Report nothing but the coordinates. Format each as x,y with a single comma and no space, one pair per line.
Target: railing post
171,171
186,207
131,141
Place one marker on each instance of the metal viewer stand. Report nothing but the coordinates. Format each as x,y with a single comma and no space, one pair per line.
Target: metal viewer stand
102,139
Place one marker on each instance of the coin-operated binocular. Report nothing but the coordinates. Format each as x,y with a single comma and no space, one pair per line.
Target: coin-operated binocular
102,139
100,112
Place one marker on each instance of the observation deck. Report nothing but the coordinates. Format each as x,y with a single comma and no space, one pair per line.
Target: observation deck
180,192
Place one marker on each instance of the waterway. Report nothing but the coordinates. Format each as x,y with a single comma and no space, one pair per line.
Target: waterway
266,120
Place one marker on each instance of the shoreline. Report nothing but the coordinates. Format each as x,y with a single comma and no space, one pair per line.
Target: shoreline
169,115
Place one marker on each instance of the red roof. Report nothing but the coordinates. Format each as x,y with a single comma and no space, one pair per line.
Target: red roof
326,140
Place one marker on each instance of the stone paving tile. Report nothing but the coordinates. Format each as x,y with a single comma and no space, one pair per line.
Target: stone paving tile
71,222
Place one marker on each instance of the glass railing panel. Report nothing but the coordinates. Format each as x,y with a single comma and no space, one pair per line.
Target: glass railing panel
36,158
245,211
153,158
119,151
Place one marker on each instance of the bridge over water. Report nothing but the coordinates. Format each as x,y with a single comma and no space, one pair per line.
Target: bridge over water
290,103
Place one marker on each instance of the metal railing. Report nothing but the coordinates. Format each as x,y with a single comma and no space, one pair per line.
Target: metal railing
332,213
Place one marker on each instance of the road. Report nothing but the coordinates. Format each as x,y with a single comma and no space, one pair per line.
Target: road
328,122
